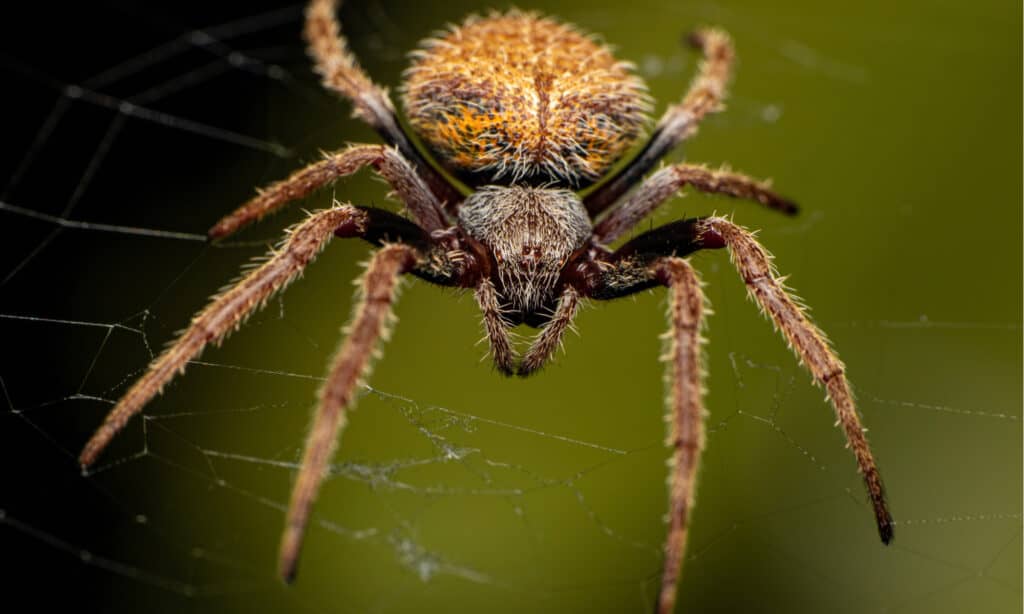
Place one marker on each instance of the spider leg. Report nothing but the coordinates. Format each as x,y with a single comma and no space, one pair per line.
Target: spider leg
706,93
662,185
631,268
225,313
341,73
812,348
685,412
550,337
370,325
653,259
387,161
497,329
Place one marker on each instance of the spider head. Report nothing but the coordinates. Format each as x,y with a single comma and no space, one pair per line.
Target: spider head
517,98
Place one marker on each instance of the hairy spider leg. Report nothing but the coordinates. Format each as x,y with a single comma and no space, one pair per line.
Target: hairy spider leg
225,313
502,352
550,337
370,325
679,122
665,183
386,161
417,253
341,73
685,415
811,346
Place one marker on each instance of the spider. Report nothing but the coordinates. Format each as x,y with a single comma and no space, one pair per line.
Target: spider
527,112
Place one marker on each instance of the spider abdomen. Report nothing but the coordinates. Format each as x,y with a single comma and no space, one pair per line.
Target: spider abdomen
516,97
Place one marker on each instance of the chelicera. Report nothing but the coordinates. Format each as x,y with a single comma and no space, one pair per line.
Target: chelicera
526,112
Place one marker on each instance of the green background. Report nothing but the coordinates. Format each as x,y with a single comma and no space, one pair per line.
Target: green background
896,126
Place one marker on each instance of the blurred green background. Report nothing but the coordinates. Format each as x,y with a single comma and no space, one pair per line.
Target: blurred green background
896,126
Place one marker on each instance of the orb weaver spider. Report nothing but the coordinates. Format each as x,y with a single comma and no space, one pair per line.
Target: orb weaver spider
526,111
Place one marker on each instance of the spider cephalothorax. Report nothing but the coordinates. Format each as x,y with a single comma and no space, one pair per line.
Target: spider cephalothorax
525,109
531,233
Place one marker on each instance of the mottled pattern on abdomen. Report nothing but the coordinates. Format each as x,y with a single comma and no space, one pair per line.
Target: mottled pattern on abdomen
516,97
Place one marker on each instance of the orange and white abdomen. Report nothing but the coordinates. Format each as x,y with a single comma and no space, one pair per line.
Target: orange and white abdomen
517,98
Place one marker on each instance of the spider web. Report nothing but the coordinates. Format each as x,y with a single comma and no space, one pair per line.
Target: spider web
453,488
